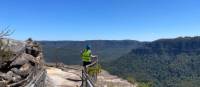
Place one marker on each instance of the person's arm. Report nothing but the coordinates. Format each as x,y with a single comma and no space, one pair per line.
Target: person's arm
93,56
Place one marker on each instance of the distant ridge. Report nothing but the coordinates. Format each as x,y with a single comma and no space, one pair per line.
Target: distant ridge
162,63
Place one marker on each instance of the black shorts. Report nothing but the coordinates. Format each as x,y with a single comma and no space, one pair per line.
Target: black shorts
86,63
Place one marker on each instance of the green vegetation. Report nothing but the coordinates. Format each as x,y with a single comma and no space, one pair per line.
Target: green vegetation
142,84
95,70
163,63
5,54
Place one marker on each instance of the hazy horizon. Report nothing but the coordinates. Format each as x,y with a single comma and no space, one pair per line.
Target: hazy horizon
117,39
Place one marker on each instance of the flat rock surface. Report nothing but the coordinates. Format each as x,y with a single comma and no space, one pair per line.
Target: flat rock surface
72,78
59,78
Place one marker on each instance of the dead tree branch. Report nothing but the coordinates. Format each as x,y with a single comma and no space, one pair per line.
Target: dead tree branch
6,32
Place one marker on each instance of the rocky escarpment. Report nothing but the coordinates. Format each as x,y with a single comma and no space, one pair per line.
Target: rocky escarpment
20,62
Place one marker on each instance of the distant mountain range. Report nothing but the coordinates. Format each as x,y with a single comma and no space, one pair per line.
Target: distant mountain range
161,63
68,52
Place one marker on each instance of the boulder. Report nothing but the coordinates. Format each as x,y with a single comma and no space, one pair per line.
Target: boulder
23,59
8,76
23,71
16,78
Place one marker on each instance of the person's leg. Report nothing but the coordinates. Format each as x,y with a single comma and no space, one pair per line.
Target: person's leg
88,63
84,65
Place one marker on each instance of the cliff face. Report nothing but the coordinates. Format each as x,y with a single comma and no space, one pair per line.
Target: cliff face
71,77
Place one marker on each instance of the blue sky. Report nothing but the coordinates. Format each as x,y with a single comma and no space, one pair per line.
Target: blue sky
143,20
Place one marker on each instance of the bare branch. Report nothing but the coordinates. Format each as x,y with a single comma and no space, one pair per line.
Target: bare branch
6,32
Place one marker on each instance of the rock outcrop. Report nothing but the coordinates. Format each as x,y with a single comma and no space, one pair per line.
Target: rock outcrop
18,67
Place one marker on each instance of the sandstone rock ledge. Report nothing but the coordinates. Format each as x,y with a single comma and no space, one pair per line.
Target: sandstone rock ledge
70,77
